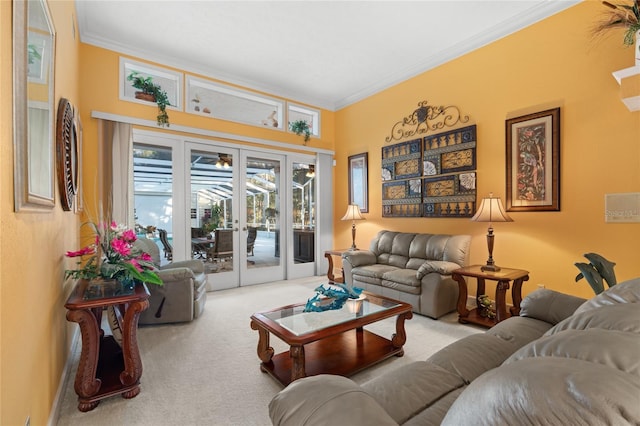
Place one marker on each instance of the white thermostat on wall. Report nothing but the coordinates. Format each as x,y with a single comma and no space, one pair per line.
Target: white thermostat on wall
622,208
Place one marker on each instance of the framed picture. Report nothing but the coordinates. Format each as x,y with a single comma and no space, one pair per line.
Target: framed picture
358,181
533,162
33,105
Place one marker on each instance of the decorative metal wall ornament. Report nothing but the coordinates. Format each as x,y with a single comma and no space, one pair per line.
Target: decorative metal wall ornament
424,119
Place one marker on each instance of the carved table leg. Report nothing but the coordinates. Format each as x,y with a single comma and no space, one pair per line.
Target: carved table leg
130,352
86,384
265,352
400,337
516,295
463,312
297,362
501,304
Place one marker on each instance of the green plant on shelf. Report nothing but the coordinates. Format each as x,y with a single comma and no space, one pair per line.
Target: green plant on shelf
151,92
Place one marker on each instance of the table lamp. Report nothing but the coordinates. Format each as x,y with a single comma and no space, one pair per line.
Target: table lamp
353,214
491,210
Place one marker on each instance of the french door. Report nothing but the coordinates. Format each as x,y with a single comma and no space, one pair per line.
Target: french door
249,215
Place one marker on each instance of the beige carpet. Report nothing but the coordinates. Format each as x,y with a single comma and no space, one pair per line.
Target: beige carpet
207,372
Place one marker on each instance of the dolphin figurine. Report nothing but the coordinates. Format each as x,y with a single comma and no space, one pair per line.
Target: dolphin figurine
604,268
589,273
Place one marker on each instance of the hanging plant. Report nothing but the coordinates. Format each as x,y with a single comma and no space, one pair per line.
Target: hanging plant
151,92
299,127
626,16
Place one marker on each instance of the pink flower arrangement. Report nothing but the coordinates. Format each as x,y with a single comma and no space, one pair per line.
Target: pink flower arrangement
113,255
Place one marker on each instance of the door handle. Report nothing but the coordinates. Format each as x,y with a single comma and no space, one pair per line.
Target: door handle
244,228
235,229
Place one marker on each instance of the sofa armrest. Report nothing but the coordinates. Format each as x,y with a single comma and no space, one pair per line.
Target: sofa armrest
196,265
175,274
359,257
440,266
326,400
549,306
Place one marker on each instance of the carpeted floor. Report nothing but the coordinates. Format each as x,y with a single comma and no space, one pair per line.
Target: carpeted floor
207,371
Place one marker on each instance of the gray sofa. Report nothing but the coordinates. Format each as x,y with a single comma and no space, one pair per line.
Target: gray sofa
413,268
562,361
182,296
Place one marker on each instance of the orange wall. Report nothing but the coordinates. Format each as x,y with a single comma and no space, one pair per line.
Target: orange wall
552,63
34,333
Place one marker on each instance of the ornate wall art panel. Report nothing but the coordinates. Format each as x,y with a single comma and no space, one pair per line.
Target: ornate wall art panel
448,192
401,161
450,196
402,198
401,195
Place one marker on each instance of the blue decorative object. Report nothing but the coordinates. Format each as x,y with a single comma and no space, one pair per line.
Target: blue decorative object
328,298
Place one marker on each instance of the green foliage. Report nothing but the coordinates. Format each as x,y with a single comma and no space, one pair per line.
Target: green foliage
299,127
146,85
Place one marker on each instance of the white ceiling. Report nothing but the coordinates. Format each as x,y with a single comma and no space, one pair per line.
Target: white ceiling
325,53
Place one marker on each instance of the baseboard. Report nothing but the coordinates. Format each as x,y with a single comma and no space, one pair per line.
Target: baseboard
64,380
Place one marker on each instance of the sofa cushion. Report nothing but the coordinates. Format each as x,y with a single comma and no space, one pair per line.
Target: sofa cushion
624,292
405,277
373,271
412,388
554,391
496,345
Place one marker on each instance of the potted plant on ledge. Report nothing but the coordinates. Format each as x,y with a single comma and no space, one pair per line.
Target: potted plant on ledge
151,92
299,127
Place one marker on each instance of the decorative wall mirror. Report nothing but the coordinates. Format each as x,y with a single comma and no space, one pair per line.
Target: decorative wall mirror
33,106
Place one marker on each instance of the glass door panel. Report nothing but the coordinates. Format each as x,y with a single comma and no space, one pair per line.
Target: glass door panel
262,224
303,212
302,256
213,230
153,196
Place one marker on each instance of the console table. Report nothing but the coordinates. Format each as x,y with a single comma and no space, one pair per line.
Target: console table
105,368
504,276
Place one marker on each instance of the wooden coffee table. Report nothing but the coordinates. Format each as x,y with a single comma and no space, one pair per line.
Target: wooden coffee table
329,342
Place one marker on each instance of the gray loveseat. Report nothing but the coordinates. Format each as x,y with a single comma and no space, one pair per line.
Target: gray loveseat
413,268
562,361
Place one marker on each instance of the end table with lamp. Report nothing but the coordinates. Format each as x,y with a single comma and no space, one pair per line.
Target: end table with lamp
490,210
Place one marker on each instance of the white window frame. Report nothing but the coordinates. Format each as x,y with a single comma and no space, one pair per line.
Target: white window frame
304,110
174,92
193,83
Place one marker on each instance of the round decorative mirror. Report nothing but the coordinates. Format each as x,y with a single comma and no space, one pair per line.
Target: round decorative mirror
67,154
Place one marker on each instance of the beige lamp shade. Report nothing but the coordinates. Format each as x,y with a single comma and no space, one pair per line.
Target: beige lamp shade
491,210
353,214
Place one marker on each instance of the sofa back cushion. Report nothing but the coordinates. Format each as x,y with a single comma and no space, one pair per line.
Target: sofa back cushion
410,250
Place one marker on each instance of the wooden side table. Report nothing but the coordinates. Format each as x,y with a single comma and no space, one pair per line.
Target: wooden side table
329,255
105,368
504,276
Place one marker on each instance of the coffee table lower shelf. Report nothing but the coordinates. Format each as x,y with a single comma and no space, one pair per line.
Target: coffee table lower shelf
343,354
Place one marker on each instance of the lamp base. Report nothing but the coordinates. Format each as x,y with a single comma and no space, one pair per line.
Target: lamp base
491,268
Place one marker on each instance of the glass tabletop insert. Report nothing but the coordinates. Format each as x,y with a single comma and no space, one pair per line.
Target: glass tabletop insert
299,322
